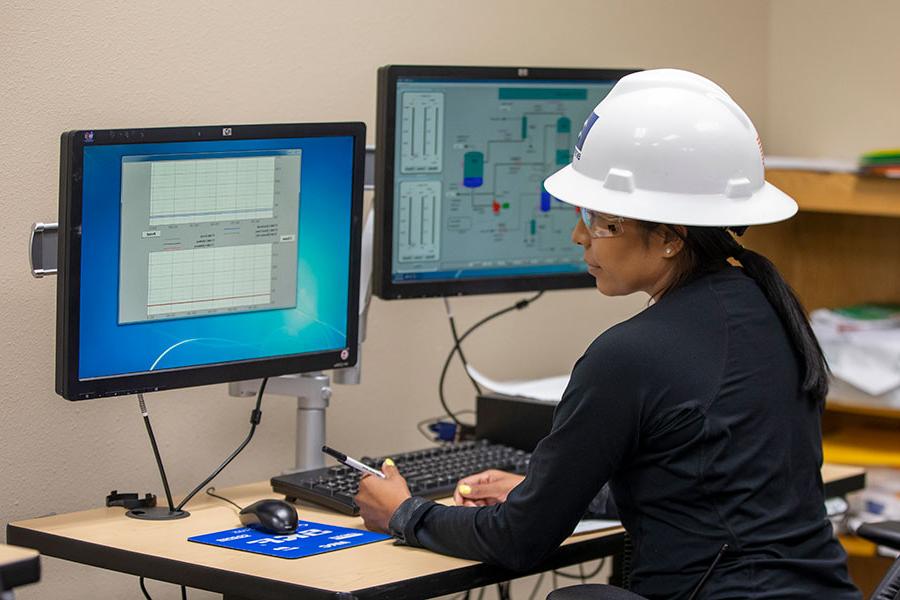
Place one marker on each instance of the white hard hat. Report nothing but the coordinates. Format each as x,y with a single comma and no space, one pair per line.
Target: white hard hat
670,146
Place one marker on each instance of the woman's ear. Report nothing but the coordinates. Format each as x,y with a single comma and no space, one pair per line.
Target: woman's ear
673,240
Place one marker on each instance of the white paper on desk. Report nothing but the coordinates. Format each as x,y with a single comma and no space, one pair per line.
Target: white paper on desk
548,389
589,525
806,163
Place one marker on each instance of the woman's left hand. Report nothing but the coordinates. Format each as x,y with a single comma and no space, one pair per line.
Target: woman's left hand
379,498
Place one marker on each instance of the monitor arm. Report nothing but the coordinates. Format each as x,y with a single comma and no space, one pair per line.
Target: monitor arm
313,390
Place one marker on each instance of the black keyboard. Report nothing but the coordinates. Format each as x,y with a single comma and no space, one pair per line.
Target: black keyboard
431,473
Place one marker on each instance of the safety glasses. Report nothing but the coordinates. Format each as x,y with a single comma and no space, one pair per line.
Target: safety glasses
601,225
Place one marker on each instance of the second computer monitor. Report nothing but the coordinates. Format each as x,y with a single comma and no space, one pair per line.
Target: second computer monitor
461,156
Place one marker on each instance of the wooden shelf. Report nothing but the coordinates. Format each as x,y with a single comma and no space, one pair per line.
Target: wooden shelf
839,193
835,258
856,546
858,408
863,446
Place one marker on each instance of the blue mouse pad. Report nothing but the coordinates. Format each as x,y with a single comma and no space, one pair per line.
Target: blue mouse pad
309,538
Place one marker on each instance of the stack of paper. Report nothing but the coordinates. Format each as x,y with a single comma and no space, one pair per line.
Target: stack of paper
805,163
548,389
862,345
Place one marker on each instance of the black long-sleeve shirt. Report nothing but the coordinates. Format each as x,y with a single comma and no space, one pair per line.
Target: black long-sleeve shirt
693,412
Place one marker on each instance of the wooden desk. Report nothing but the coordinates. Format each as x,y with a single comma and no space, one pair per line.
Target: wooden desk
159,550
18,566
842,479
106,538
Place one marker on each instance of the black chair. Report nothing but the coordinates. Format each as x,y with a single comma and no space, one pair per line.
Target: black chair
886,533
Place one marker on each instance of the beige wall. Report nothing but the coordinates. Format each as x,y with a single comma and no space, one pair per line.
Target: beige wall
833,77
66,65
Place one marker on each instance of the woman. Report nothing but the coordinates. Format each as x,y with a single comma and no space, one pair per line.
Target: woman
702,412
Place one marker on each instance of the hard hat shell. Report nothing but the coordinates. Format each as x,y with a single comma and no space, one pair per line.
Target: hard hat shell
670,146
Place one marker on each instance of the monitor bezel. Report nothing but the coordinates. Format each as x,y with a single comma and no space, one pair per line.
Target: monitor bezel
383,285
68,332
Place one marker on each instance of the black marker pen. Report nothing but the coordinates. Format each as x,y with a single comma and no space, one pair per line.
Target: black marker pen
352,462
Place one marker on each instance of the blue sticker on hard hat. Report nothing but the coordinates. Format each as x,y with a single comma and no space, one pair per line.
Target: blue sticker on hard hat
589,122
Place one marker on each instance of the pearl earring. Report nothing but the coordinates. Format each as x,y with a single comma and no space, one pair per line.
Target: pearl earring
668,251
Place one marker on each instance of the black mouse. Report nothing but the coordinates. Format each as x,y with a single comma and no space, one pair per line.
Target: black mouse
272,516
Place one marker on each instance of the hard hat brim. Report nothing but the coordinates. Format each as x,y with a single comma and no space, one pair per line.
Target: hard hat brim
767,205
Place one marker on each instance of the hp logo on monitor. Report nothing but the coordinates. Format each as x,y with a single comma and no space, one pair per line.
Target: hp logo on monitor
226,131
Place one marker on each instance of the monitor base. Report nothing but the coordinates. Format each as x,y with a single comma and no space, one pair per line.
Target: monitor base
157,513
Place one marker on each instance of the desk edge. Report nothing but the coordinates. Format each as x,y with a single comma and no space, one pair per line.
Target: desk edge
845,485
482,574
159,568
20,572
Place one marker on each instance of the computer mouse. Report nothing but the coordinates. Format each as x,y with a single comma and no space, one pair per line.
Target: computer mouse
272,516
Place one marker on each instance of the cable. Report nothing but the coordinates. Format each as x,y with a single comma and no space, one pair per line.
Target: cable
147,594
255,418
159,463
424,433
212,492
537,586
144,588
456,345
503,590
581,574
421,424
524,303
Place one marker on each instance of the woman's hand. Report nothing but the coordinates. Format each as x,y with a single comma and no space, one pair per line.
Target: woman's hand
379,498
485,488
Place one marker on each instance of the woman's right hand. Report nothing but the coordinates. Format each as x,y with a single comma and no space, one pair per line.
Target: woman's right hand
485,488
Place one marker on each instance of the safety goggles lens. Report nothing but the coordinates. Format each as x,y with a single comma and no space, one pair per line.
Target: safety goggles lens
601,225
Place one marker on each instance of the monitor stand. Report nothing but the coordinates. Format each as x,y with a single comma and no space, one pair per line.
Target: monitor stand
313,392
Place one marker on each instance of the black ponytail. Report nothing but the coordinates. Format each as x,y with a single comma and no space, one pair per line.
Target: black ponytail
707,249
793,317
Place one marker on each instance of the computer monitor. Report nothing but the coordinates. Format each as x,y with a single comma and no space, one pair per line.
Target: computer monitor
461,156
198,255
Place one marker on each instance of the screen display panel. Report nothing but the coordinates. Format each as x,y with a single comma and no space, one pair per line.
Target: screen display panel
464,153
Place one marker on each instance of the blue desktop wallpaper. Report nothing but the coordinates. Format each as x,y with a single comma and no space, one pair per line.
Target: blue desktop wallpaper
317,323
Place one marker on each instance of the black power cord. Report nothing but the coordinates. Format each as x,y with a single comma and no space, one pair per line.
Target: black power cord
255,418
159,463
144,589
452,320
503,590
457,341
581,574
147,594
537,586
212,492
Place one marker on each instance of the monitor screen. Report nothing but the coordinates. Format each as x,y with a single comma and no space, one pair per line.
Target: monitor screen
200,255
462,154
